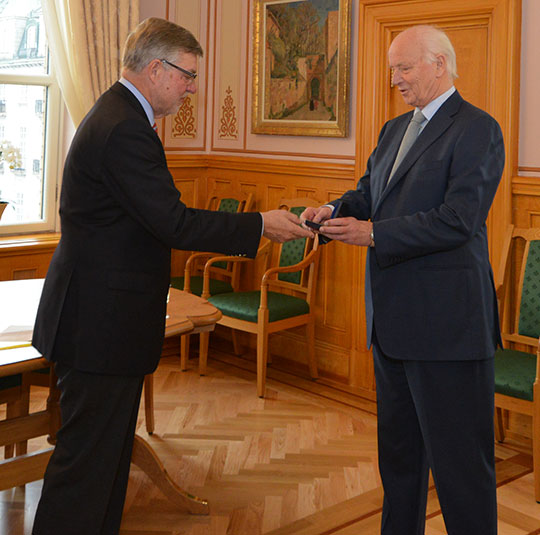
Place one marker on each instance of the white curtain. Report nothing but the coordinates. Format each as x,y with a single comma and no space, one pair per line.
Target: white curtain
86,40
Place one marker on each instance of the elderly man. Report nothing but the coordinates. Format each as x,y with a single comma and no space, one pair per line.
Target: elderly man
101,318
430,302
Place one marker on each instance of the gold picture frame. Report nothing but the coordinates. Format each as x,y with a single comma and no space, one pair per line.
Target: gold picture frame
301,77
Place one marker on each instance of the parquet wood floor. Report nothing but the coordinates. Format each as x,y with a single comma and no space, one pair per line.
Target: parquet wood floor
292,464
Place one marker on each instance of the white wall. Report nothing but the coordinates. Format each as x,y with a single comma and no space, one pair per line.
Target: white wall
529,125
529,130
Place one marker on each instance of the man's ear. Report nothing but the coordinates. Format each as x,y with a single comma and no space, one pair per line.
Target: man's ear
440,63
154,69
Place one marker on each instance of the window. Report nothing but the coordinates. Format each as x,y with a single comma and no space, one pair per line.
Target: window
29,120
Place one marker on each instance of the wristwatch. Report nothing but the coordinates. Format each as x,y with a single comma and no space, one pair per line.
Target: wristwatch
372,238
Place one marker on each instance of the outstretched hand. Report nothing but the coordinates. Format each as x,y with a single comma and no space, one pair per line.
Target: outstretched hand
348,230
281,225
317,215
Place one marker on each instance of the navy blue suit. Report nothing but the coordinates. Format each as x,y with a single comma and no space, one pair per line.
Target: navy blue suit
432,315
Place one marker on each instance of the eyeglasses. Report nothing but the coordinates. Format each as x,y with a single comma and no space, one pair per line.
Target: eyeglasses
191,75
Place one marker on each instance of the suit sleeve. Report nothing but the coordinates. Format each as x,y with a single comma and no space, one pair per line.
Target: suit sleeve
474,173
136,174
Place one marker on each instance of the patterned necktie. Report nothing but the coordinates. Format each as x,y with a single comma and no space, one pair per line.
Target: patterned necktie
408,139
154,126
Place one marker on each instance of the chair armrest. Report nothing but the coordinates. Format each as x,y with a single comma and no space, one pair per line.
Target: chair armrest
263,250
309,259
265,281
537,378
190,266
520,339
194,257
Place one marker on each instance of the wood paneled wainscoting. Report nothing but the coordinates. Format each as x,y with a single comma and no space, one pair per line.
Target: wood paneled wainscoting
26,257
344,362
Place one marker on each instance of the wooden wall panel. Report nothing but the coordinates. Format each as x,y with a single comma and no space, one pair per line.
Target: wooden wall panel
340,338
26,257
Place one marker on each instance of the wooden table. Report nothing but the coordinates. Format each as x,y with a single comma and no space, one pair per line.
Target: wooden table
186,314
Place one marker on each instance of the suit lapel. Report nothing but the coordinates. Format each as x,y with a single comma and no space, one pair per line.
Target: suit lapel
435,128
391,151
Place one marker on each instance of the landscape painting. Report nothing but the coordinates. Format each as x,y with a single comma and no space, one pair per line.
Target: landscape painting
301,67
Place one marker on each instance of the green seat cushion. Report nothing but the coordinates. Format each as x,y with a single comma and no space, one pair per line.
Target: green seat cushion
515,372
245,305
196,285
10,381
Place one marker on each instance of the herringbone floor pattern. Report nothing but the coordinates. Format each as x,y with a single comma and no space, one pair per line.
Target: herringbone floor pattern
291,464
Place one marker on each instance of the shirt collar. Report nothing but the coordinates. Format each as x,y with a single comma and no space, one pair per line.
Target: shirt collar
433,107
140,97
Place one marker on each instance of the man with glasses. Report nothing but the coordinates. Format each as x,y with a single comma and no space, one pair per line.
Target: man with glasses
101,318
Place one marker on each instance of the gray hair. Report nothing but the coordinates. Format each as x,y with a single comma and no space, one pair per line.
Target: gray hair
435,42
156,38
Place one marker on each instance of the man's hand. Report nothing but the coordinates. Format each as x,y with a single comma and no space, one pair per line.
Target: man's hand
348,230
317,215
281,225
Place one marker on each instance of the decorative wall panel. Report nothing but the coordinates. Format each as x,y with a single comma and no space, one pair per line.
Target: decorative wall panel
229,106
186,130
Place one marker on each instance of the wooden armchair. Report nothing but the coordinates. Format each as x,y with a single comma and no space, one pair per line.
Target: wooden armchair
284,300
517,386
15,393
224,276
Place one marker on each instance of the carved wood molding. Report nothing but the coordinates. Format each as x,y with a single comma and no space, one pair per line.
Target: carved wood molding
14,245
529,170
526,185
264,165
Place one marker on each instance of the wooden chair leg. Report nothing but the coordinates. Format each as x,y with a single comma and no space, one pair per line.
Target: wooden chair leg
149,403
21,448
11,412
499,425
536,440
203,352
236,343
9,450
312,360
184,352
262,352
16,409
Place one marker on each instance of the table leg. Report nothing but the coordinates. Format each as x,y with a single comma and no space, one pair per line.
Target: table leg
146,459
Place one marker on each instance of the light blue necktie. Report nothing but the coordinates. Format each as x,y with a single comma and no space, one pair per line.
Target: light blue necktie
408,139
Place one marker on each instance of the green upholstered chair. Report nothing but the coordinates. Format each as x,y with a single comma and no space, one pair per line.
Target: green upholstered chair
517,386
284,300
224,275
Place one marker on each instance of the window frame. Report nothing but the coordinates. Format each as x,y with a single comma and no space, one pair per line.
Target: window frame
52,147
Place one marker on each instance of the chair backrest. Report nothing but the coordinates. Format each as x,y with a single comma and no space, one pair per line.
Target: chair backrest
293,252
239,202
234,202
519,286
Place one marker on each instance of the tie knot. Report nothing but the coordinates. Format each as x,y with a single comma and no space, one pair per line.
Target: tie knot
418,117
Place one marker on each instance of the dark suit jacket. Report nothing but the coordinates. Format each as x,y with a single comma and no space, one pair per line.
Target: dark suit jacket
431,281
103,304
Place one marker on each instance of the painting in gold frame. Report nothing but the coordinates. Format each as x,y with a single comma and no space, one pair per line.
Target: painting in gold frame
301,67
